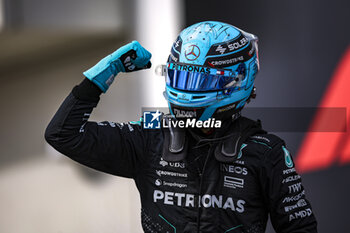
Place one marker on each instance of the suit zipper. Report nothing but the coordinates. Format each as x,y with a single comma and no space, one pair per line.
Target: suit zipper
200,174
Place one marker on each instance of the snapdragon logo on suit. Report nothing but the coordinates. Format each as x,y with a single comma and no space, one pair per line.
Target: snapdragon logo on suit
156,120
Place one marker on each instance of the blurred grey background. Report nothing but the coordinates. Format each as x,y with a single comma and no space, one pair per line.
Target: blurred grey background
46,45
44,48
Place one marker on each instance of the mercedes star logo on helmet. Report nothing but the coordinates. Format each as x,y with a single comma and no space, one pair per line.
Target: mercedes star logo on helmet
192,52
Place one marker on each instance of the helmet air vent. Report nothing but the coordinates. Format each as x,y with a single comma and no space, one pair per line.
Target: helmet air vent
198,97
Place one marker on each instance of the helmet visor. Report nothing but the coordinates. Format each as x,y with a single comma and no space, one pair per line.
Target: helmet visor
203,79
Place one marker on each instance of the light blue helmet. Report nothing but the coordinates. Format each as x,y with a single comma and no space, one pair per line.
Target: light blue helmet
211,70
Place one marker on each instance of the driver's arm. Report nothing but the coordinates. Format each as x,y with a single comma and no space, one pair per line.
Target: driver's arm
106,146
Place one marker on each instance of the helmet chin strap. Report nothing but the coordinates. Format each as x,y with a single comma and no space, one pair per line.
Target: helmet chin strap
228,149
175,146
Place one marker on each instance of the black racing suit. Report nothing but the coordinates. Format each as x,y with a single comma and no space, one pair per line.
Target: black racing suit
198,194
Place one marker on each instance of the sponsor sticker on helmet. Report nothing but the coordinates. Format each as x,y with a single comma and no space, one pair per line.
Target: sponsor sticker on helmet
192,52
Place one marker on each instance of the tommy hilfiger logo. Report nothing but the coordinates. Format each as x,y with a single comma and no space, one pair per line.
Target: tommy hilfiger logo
233,182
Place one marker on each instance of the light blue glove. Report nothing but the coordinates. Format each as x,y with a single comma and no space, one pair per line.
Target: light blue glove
130,57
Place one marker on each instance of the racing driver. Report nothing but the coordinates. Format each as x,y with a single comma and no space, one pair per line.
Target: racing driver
209,180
